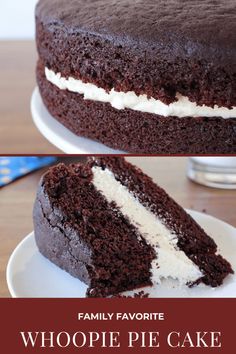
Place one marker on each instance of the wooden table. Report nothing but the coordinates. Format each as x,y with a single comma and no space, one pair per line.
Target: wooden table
16,201
18,134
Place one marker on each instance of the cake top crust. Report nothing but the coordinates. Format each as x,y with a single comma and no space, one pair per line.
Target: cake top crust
186,28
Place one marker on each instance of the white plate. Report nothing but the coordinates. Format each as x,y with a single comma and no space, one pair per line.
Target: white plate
60,136
29,274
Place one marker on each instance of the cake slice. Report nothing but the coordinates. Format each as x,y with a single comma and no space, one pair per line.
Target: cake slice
108,224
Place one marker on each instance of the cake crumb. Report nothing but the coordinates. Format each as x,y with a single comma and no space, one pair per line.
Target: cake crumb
139,295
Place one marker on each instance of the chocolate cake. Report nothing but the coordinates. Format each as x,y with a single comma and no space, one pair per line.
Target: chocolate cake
108,224
141,76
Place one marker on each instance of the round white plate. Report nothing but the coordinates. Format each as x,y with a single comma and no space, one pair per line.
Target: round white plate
29,274
60,136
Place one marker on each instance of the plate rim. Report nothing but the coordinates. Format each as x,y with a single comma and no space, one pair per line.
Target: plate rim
10,261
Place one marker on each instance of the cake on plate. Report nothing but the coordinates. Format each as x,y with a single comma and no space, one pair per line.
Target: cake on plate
107,223
144,76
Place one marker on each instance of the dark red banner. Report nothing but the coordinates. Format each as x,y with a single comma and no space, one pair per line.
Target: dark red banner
117,325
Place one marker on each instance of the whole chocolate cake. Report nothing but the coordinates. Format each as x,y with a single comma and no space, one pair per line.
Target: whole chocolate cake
108,224
141,76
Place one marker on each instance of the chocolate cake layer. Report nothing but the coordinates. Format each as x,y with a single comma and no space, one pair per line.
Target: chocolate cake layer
134,131
149,47
80,232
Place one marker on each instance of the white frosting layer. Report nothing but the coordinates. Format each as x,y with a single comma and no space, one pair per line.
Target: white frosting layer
171,261
121,100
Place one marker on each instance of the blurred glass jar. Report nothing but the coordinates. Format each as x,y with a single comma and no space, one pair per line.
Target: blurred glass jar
218,172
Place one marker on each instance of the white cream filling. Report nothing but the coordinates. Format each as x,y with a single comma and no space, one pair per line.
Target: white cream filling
121,100
171,262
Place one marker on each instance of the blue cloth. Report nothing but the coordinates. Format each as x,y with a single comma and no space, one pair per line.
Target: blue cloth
12,168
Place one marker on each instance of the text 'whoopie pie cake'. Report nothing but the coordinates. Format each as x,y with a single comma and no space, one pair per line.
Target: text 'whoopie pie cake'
147,76
108,224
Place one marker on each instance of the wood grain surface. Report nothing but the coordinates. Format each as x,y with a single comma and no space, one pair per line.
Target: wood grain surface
16,201
18,134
